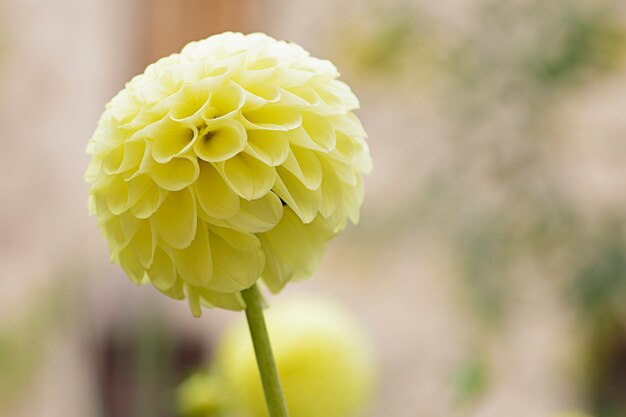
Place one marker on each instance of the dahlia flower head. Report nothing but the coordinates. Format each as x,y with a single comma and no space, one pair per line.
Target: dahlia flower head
325,360
234,160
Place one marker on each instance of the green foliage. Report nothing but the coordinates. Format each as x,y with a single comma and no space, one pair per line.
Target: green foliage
471,381
501,198
600,285
389,44
485,254
590,42
24,343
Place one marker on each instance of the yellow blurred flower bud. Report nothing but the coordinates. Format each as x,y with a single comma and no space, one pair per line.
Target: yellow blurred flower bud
235,159
199,395
324,360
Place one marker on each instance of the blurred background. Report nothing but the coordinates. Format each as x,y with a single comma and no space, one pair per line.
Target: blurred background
489,268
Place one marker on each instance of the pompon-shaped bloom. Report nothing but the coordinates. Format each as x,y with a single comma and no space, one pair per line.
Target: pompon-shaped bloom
236,159
326,364
325,361
200,395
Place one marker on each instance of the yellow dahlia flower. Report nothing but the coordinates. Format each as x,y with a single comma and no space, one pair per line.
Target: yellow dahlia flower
200,395
325,363
236,159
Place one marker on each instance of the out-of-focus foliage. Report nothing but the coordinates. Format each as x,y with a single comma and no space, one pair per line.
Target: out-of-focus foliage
397,42
585,42
471,380
572,414
499,199
24,343
517,45
20,354
599,288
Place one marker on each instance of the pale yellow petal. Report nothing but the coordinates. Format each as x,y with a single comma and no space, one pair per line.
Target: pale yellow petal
221,141
363,159
149,124
233,270
176,219
194,263
319,130
173,141
162,272
227,100
272,118
123,107
332,191
232,301
193,299
143,243
348,124
144,166
259,95
149,202
215,197
305,166
344,172
257,73
130,224
94,169
125,157
211,77
176,174
141,124
108,135
300,199
247,176
291,77
305,96
176,291
155,89
117,195
293,250
268,146
258,215
119,231
241,240
262,64
131,265
300,137
138,187
98,205
330,102
187,104
354,199
343,92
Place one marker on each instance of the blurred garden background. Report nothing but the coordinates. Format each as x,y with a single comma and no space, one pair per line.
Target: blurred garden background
489,268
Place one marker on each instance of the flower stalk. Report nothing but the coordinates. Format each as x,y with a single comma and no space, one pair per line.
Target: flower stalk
274,397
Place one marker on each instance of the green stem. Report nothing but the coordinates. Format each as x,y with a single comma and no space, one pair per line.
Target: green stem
265,359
